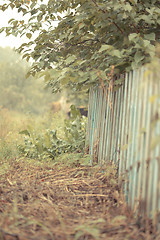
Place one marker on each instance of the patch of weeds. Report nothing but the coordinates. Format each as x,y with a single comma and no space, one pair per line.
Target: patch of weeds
5,122
16,220
9,124
8,152
89,230
46,144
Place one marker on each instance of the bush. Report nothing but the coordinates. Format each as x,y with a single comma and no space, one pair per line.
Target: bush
46,144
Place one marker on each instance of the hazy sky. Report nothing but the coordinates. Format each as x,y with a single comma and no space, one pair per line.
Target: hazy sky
10,40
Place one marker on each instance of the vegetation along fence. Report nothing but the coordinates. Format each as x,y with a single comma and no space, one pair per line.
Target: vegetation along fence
123,127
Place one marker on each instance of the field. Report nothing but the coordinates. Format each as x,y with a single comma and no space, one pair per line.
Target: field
60,198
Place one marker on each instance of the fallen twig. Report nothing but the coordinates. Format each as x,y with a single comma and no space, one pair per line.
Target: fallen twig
9,234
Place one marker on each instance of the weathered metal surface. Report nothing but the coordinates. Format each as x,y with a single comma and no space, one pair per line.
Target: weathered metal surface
124,127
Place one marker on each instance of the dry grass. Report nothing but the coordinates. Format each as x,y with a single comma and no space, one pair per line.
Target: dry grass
44,202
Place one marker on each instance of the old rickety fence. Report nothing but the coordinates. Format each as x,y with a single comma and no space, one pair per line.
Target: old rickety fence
124,128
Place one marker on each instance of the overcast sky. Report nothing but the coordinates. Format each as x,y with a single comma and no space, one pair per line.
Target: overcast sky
10,40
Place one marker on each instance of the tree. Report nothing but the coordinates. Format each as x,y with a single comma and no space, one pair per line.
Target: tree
16,92
91,36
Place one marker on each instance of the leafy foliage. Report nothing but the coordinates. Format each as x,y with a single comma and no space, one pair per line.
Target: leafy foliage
76,39
47,145
75,129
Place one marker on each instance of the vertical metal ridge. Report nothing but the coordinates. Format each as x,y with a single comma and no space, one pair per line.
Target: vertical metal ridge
126,134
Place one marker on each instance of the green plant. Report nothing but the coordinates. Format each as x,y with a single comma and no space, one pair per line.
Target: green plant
75,129
7,150
40,145
5,122
46,144
89,230
79,38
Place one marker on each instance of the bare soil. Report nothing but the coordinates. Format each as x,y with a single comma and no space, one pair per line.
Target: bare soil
47,202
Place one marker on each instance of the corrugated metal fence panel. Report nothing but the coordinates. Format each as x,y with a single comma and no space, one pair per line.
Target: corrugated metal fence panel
123,127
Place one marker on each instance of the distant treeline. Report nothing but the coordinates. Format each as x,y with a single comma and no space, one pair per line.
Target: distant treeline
16,92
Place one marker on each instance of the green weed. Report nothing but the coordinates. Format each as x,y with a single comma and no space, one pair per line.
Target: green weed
89,230
50,143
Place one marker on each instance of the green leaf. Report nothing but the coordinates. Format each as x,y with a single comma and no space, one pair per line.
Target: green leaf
134,2
12,19
85,38
119,81
150,36
105,47
25,55
28,35
138,57
2,29
134,65
116,53
132,36
81,25
146,43
25,132
70,59
128,7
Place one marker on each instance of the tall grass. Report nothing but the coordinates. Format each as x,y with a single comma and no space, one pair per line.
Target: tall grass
11,123
48,136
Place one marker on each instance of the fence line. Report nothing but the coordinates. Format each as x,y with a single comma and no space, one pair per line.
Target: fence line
128,134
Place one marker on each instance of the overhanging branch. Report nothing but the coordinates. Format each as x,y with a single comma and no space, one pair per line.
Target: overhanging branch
104,11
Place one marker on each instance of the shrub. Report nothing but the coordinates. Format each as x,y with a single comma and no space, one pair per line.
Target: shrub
46,144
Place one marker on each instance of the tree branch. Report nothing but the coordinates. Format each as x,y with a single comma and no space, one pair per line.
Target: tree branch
87,40
104,11
137,31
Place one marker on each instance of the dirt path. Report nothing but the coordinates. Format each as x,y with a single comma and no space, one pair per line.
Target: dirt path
45,203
